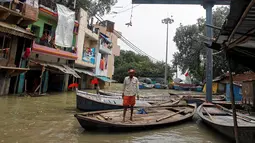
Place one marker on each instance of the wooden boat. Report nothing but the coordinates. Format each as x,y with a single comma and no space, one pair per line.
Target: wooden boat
220,119
186,93
227,104
150,99
199,99
184,86
93,102
153,117
145,86
108,93
160,86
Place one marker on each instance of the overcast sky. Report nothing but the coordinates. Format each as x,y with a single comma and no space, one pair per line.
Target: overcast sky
147,32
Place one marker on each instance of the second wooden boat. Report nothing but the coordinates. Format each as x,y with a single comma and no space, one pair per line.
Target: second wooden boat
155,98
228,104
151,117
220,119
199,99
93,102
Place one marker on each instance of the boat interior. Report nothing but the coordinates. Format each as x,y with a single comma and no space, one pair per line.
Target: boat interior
150,115
222,116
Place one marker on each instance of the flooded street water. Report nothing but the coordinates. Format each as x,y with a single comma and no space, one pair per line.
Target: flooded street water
49,119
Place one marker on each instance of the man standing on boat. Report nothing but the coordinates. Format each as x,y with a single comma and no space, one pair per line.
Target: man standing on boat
130,91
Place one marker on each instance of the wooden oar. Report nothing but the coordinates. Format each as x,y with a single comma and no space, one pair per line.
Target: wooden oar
241,118
100,117
208,113
168,116
106,118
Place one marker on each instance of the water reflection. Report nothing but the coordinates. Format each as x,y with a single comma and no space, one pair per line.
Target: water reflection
50,119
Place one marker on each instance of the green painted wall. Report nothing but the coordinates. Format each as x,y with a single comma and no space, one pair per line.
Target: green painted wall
40,23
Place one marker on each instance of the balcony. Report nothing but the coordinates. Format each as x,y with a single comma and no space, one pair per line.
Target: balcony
16,12
105,46
52,49
104,49
91,33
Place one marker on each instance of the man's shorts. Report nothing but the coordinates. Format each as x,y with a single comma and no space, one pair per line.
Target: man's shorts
128,101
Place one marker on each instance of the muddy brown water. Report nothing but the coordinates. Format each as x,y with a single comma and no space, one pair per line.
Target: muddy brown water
49,119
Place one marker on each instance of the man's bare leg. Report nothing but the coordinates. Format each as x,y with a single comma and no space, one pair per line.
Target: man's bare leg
131,116
124,113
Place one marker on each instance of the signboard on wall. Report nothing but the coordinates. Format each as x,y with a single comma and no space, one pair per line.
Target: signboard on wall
89,55
197,2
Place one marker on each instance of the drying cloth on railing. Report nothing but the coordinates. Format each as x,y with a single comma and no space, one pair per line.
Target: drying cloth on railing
102,64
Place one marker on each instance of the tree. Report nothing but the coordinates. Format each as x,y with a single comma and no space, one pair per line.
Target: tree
143,66
191,53
100,7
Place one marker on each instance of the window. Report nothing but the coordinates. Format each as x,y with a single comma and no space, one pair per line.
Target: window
48,28
47,37
36,30
5,45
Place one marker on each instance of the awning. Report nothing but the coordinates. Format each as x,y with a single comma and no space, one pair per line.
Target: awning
105,79
105,37
15,30
63,68
84,72
13,71
71,71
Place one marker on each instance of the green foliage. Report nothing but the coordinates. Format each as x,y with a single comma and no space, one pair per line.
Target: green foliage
143,66
100,7
191,50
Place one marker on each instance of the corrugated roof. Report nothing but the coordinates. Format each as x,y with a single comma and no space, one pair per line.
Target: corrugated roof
238,78
105,79
71,71
84,72
15,30
237,33
63,68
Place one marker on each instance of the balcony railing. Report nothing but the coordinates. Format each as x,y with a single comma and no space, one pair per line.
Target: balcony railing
16,6
105,47
52,5
93,29
17,12
50,43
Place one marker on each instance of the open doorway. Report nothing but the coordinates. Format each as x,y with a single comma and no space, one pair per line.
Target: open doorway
33,80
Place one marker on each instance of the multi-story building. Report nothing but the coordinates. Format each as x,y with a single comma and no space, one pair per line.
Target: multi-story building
53,53
87,43
15,39
108,49
52,65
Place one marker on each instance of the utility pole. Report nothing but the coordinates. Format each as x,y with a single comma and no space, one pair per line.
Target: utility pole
176,71
209,66
167,21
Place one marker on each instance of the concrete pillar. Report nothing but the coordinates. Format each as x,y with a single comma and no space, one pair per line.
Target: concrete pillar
66,78
2,82
13,51
7,86
209,66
